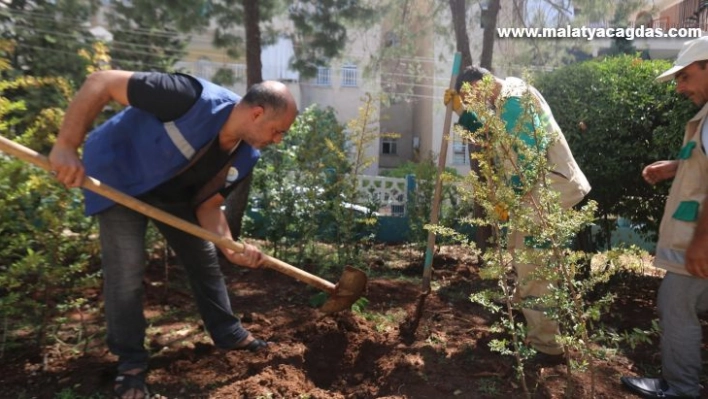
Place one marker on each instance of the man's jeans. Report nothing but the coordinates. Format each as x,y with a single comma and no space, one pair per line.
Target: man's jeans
680,301
122,234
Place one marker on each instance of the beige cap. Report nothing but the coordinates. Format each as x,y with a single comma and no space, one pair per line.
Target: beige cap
692,51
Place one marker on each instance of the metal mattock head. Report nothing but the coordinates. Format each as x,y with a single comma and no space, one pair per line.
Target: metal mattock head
351,286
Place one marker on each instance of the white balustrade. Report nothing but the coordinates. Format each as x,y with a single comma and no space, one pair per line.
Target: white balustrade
390,192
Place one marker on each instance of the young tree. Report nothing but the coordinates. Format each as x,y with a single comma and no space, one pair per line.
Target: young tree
295,184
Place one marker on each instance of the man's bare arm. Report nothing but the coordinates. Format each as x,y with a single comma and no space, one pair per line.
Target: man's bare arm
98,90
212,218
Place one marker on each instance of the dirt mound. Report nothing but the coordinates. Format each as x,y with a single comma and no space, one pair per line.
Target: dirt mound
311,355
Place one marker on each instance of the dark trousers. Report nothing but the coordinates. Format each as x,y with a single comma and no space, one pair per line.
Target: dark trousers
122,233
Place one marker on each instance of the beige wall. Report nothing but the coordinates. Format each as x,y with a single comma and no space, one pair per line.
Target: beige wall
200,47
345,101
409,115
423,92
396,119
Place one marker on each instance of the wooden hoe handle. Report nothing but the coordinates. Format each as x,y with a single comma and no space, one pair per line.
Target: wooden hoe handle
97,187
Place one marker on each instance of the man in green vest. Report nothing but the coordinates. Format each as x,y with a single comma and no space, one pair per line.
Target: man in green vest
566,178
682,249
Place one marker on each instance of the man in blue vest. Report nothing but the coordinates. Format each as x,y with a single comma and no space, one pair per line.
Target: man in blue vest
180,145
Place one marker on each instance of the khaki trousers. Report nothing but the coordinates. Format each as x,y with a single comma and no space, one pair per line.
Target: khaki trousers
541,330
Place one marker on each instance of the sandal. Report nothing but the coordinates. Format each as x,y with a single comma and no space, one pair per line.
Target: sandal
126,382
254,346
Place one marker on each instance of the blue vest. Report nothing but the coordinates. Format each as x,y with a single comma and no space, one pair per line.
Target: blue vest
135,152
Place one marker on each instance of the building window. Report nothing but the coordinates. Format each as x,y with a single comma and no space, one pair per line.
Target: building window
388,146
324,76
459,153
349,75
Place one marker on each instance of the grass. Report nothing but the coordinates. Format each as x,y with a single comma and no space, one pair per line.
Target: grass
489,386
384,322
69,393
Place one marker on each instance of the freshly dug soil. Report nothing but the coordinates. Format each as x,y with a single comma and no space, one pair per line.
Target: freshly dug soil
317,356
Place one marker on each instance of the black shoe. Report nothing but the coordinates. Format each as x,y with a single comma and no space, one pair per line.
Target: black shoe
546,360
651,388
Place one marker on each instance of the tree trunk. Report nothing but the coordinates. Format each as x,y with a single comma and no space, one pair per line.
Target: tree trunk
252,20
236,202
459,22
235,205
459,13
490,31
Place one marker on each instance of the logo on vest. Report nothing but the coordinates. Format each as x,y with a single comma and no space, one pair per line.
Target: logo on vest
231,176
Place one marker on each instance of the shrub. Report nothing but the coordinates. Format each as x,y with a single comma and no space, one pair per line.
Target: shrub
303,186
617,120
49,248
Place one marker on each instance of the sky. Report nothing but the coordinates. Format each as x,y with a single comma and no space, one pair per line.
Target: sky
535,7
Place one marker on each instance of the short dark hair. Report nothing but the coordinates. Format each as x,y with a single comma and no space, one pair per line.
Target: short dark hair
263,95
471,74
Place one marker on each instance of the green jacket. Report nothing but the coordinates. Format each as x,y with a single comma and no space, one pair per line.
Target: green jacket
566,176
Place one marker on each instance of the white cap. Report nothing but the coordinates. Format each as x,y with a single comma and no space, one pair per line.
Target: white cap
692,51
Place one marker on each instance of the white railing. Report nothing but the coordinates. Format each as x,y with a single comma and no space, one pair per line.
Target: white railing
207,69
390,192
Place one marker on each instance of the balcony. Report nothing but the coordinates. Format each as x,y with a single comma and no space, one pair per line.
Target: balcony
684,17
686,14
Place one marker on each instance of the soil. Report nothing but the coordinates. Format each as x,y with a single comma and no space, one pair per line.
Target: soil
350,354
